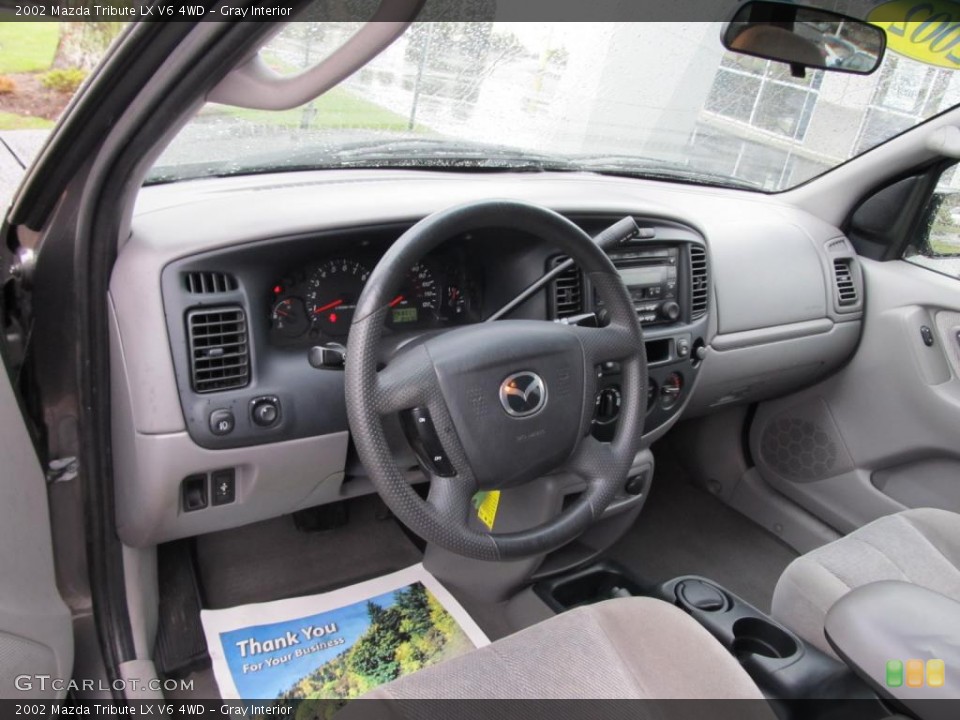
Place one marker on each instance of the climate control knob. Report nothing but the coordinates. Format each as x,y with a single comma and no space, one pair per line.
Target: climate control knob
670,311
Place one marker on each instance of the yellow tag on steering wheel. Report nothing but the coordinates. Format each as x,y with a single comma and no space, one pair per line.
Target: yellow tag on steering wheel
486,504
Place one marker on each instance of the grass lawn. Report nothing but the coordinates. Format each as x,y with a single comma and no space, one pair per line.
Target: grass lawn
12,121
27,46
336,108
944,247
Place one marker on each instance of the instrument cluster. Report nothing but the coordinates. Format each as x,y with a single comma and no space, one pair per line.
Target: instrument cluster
317,303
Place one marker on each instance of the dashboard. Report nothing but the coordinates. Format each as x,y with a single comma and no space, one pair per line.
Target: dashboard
227,288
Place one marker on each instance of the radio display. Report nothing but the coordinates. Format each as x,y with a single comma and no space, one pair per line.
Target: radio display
633,276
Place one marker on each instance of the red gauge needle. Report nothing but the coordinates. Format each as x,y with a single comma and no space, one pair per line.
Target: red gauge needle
281,313
396,301
328,306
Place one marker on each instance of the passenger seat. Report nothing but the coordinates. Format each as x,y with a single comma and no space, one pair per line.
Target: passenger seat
920,546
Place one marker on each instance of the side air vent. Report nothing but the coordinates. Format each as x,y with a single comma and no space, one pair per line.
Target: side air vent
567,291
203,283
219,351
843,278
699,282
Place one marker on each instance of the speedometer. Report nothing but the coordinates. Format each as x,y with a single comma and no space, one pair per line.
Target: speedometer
332,293
418,299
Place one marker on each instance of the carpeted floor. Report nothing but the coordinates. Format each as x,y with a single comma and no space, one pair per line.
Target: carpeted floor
272,560
684,530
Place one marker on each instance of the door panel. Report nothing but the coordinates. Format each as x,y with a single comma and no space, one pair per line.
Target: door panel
883,433
36,636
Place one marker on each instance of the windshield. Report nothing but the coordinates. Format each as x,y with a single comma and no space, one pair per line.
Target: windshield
661,100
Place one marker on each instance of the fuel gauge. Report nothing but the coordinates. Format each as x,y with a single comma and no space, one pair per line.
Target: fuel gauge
455,302
289,317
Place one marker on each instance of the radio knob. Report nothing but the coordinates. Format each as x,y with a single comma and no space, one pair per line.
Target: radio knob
670,310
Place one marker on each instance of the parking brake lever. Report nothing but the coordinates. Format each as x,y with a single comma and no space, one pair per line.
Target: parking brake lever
618,233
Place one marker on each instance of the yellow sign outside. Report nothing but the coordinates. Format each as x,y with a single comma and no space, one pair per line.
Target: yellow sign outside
927,31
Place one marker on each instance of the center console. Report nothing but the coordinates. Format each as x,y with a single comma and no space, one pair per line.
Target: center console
801,681
666,273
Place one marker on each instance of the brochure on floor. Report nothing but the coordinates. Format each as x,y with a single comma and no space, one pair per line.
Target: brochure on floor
340,644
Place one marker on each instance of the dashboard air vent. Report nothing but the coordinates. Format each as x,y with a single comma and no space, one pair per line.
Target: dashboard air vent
567,291
699,282
219,351
203,283
846,287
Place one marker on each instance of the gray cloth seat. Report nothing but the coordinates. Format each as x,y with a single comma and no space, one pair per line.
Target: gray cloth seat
633,648
920,546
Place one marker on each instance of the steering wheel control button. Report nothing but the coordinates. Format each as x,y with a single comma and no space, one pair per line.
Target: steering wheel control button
608,405
265,411
926,334
223,485
635,484
422,436
523,394
222,422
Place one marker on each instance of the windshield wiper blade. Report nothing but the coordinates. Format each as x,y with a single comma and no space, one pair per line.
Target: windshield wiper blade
385,153
430,153
628,166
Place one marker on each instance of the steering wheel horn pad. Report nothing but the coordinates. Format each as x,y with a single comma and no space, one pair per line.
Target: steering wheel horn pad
472,366
511,401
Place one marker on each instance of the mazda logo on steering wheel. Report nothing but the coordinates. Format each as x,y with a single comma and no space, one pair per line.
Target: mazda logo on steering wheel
523,394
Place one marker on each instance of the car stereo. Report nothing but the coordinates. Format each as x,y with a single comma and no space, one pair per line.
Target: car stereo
650,276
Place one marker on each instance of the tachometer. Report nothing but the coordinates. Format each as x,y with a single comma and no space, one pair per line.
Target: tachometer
333,290
418,299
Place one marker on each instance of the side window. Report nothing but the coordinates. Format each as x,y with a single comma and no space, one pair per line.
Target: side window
42,64
937,246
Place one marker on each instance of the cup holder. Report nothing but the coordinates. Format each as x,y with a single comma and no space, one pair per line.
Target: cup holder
755,636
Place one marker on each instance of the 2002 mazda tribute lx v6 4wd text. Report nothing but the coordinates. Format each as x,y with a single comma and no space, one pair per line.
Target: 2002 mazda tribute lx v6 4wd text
414,351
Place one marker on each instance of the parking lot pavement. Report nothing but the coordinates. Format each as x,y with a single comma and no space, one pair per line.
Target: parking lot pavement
18,148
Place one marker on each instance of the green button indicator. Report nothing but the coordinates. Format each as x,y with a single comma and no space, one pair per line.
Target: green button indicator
894,673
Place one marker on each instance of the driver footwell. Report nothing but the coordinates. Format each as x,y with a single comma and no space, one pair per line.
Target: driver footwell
275,560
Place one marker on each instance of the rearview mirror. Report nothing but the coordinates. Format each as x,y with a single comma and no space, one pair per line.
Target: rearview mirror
805,37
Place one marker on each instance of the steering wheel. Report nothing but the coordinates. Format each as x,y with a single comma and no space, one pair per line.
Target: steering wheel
499,403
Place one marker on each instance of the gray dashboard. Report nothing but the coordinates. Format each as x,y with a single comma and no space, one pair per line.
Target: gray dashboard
774,323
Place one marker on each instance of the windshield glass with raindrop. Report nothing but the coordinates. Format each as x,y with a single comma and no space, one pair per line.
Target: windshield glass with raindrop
660,100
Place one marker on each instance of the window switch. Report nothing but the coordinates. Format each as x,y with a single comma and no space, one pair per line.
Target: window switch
193,491
224,486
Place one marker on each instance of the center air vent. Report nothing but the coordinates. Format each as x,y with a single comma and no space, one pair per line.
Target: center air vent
203,283
846,287
567,291
699,282
219,351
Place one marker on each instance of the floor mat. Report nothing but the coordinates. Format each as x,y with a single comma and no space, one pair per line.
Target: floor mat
684,530
272,560
340,644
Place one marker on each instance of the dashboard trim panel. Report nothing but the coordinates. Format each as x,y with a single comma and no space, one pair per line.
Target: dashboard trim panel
177,224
